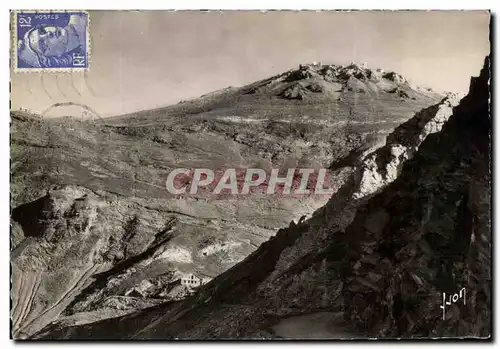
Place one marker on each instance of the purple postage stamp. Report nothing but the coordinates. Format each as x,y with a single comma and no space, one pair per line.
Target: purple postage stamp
51,40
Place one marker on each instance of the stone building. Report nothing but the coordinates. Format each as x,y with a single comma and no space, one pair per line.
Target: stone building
191,280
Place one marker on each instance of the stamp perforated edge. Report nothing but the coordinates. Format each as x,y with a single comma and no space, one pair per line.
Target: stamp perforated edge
14,39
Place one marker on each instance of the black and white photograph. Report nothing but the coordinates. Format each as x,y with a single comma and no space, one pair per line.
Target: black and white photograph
250,175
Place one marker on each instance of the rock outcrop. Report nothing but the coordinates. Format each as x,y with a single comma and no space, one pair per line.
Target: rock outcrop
315,82
384,165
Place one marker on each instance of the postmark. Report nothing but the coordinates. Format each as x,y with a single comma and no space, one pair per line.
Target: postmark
47,41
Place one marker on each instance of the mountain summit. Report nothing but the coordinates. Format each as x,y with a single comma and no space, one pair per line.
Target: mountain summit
311,81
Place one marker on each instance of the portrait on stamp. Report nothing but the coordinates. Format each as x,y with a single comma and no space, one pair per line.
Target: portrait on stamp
52,40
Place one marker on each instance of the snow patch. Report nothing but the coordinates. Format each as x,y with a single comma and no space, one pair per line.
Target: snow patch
218,247
177,254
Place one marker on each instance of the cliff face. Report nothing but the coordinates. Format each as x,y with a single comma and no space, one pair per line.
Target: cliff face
383,167
411,223
427,234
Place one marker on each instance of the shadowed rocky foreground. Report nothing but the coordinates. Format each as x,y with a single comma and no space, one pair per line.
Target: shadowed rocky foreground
97,247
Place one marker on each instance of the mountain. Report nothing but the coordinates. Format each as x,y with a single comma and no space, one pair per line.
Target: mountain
380,273
96,235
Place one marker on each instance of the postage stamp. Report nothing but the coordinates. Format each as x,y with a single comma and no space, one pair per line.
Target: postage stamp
50,41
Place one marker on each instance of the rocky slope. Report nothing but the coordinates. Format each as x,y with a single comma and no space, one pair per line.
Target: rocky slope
411,221
95,234
427,234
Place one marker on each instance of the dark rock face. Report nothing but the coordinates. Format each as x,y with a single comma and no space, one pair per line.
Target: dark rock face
428,233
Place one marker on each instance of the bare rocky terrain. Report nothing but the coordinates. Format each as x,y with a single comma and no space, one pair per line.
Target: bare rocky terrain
97,243
424,229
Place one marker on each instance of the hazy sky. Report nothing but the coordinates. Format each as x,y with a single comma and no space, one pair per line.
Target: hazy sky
142,60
